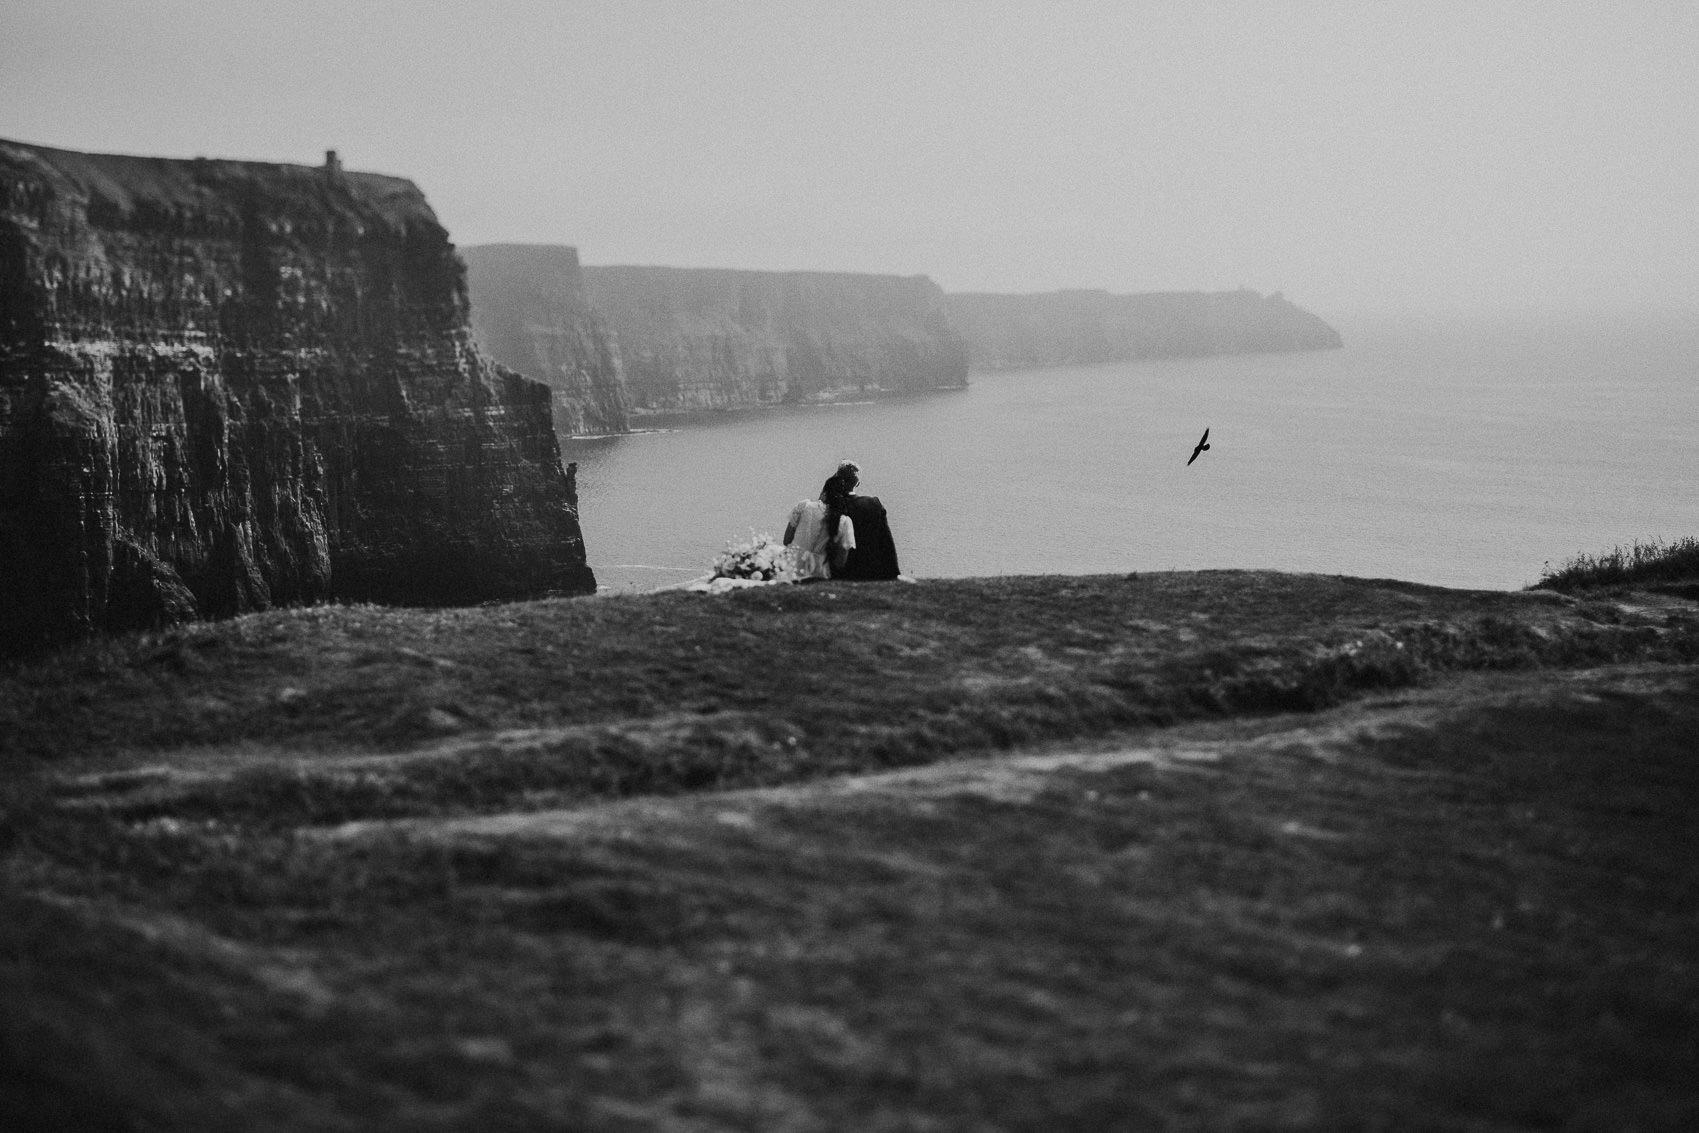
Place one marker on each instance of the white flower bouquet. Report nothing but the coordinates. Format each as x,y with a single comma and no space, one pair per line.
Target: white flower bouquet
759,558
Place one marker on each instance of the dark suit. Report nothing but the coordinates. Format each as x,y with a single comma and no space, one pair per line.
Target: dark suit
875,554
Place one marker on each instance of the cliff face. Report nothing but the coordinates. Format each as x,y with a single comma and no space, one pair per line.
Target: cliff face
713,339
618,342
530,313
1076,327
225,385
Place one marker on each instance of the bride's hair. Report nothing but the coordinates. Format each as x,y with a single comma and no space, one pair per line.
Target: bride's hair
833,493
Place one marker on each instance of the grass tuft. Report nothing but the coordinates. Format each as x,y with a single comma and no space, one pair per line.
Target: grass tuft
1651,561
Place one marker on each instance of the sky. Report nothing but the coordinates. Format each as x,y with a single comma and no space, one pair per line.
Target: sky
1378,157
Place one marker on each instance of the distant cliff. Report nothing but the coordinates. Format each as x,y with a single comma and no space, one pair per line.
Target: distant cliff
530,312
692,338
1061,328
225,385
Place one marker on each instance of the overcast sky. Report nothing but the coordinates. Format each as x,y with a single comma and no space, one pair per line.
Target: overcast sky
1357,156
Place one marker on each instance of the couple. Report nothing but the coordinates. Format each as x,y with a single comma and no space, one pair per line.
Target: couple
842,535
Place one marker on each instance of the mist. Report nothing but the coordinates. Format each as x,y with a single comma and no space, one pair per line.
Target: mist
1380,159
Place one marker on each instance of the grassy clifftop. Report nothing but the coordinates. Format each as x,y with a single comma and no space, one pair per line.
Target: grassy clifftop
859,676
1227,849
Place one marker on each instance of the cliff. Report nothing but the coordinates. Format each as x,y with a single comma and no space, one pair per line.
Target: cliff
530,313
226,385
692,338
1059,328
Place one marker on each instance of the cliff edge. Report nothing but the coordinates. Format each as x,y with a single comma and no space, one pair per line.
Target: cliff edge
1063,328
226,385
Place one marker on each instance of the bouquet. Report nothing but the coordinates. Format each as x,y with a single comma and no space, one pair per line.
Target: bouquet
759,558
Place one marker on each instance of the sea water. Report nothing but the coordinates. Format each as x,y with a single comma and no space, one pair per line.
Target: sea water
1456,451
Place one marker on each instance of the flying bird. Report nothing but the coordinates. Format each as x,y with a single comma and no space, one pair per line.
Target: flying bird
1203,446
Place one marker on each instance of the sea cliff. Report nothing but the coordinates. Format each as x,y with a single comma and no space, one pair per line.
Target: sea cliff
692,339
1059,328
227,385
620,343
707,338
530,313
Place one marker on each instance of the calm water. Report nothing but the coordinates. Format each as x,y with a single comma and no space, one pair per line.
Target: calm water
1458,452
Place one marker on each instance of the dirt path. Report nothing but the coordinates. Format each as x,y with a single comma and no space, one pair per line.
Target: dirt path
1020,777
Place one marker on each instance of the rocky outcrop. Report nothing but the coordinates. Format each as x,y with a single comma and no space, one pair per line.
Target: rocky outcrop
1062,328
697,338
530,313
226,385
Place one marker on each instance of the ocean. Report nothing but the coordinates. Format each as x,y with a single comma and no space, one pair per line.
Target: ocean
1458,451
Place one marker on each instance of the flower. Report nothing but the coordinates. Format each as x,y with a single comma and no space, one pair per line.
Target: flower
759,557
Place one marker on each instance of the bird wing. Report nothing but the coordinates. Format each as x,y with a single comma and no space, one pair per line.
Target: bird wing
1205,439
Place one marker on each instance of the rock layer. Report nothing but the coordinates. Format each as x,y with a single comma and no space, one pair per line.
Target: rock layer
530,313
699,338
225,385
1059,328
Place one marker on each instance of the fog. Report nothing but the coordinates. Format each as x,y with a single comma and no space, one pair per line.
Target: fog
1359,158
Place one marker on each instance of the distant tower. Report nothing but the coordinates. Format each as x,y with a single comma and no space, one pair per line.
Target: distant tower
332,165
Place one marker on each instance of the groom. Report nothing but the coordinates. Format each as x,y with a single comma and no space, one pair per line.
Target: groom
875,553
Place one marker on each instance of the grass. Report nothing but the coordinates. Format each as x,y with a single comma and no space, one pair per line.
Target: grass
1381,856
327,715
1482,926
1653,561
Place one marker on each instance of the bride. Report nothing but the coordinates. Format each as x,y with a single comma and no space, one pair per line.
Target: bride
821,534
